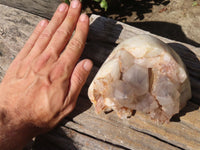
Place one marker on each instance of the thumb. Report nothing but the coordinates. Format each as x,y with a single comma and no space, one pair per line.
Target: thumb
78,79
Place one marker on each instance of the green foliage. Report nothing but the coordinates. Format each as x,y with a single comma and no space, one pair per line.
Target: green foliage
103,3
195,3
67,1
97,0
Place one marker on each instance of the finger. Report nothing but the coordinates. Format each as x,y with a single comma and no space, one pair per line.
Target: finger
31,41
70,56
47,34
64,32
78,79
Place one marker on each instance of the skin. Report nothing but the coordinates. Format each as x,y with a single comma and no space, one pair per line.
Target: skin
42,84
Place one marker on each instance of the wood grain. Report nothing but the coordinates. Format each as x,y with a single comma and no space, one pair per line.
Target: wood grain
15,28
83,129
43,8
183,133
65,138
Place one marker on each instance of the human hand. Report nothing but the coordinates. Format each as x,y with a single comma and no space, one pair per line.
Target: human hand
42,84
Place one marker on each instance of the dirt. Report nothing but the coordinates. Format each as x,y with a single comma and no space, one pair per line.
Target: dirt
175,19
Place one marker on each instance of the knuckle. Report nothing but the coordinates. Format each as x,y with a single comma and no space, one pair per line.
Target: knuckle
70,101
75,43
52,52
70,17
51,49
71,106
57,19
45,34
73,16
29,43
78,78
63,32
36,32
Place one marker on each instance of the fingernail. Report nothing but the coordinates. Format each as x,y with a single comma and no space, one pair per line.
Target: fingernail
62,7
43,23
87,65
75,3
83,17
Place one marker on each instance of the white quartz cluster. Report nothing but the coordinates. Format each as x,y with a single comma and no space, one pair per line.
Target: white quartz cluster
142,74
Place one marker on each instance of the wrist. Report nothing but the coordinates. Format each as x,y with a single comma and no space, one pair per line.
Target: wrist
14,132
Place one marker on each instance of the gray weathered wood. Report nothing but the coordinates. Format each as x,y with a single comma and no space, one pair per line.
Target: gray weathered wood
43,8
138,129
83,125
15,28
67,139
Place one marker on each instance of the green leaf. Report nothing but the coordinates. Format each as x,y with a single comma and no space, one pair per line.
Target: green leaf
67,1
195,3
104,4
97,0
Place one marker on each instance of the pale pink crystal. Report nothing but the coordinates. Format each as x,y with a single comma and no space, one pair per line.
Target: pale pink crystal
142,74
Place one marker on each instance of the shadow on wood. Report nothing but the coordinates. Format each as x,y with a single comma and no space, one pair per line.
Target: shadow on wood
57,139
123,8
165,29
192,64
188,108
97,50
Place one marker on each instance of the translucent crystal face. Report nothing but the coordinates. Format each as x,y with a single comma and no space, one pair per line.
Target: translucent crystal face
123,93
138,77
141,74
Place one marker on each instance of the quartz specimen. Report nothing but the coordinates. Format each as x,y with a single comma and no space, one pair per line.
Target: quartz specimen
142,74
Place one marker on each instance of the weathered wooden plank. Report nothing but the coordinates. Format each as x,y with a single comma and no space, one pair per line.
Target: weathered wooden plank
117,133
137,132
108,30
43,8
66,139
15,28
184,133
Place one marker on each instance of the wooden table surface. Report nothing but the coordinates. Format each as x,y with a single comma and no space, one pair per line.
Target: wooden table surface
83,129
